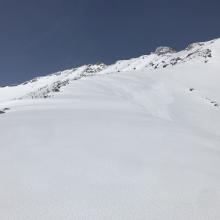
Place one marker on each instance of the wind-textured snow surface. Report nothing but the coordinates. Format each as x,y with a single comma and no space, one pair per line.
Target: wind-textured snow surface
136,140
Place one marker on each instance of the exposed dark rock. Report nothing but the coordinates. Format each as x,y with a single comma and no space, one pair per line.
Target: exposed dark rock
190,54
164,50
191,46
95,68
57,85
155,67
205,53
164,66
6,109
175,60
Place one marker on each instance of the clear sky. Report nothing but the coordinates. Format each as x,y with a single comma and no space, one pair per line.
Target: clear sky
38,37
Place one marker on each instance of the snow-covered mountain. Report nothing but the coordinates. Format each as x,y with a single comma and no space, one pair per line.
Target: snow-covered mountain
138,139
163,57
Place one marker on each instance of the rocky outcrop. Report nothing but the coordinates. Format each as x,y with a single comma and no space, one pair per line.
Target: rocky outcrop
95,68
164,50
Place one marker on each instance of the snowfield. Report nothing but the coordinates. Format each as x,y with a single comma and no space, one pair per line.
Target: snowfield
136,140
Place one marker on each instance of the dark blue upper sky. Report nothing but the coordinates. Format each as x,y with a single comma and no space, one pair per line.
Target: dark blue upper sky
38,37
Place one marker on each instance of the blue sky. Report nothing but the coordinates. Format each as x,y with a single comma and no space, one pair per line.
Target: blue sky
38,37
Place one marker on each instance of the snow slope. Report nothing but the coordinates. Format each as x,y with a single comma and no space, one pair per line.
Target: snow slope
136,140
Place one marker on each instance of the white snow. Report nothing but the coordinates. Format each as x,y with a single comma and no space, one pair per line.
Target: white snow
126,141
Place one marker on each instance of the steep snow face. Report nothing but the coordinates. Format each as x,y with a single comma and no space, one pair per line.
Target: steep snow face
139,139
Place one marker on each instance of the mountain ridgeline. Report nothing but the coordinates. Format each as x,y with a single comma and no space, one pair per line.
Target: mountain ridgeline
163,57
